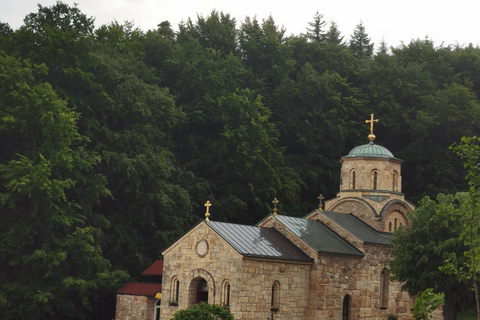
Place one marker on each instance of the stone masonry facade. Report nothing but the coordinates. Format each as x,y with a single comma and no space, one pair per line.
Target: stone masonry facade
134,307
307,291
250,280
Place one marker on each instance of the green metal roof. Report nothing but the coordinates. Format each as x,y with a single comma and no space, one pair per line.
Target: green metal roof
370,150
358,228
318,236
252,241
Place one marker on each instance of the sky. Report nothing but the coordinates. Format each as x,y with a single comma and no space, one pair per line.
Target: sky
395,22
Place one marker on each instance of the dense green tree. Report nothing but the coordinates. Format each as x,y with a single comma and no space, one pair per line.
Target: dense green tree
316,30
51,260
360,43
317,116
333,35
135,142
217,31
264,53
453,111
421,249
468,215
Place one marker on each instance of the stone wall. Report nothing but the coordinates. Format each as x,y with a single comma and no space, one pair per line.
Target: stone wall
364,167
130,307
360,279
256,294
250,280
221,263
333,277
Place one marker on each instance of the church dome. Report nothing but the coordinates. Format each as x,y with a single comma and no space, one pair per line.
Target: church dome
370,150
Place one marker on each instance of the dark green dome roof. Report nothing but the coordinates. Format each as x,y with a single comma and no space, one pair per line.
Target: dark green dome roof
370,150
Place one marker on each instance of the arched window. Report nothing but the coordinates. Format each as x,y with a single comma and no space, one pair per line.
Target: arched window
275,295
175,291
384,289
346,308
390,226
374,179
395,225
156,316
394,181
353,180
226,294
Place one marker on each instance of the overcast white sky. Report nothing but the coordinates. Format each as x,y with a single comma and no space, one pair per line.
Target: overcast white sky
452,22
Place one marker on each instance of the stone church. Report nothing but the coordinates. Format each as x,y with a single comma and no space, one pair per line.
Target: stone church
329,264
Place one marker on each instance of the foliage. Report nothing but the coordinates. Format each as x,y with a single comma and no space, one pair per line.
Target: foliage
360,43
203,311
56,268
468,214
316,32
421,249
426,303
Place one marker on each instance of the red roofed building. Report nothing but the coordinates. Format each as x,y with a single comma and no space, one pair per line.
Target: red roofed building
156,269
140,300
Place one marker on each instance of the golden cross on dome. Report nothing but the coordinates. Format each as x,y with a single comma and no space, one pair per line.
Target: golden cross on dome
275,201
371,136
320,197
207,214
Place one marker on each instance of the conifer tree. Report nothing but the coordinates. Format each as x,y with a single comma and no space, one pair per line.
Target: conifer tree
360,43
333,35
316,32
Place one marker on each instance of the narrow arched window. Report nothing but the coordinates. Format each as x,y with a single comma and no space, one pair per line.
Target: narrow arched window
353,180
275,295
226,294
175,289
390,226
156,316
384,288
395,226
375,177
394,182
346,308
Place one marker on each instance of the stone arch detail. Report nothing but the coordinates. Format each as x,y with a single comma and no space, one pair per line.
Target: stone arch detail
394,205
353,199
394,215
201,273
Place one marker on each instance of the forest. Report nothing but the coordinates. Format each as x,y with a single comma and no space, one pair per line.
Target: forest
113,138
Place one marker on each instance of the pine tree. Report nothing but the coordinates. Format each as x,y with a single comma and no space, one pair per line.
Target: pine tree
360,43
316,33
333,35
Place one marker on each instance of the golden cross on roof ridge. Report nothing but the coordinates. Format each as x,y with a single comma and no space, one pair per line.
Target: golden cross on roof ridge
320,197
275,201
371,136
207,205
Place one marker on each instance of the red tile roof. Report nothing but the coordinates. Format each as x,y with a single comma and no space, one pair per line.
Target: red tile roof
156,269
140,289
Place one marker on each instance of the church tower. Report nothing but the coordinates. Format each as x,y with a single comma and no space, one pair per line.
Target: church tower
371,186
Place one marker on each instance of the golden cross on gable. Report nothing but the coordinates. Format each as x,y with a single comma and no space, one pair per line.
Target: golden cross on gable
320,197
371,136
207,205
275,201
